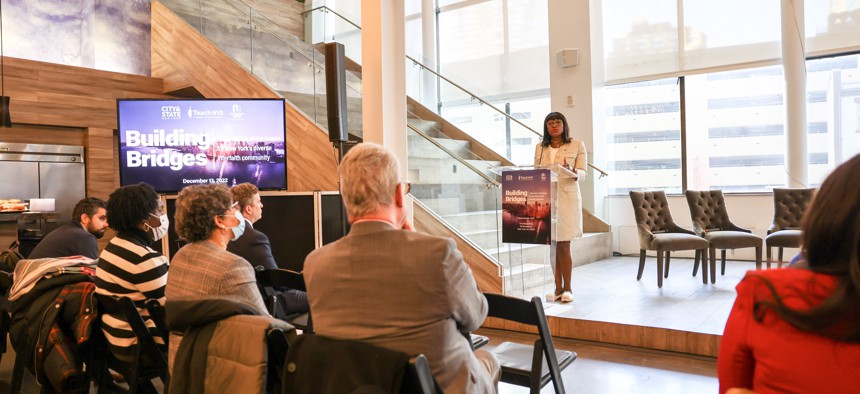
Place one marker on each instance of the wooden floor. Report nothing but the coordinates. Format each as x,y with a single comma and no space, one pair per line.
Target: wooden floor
603,369
611,306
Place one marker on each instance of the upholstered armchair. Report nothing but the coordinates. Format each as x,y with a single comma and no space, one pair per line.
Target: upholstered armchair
711,221
788,208
657,231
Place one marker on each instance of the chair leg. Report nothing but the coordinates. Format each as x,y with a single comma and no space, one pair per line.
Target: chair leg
712,260
758,257
641,264
696,262
659,268
21,361
704,253
668,253
769,255
779,264
723,257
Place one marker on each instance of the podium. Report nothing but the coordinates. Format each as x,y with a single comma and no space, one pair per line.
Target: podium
529,220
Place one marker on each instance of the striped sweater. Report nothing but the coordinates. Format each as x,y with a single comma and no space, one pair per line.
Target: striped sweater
128,267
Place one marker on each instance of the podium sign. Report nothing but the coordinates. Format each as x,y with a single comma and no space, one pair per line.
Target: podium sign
526,206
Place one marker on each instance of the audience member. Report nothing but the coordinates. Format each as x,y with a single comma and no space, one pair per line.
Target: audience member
207,218
128,266
254,246
797,330
392,287
79,237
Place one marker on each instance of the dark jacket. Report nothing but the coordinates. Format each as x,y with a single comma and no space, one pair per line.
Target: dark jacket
41,322
69,240
350,367
254,246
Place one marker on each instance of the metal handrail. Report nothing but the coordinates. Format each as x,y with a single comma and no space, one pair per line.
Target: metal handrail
325,8
492,181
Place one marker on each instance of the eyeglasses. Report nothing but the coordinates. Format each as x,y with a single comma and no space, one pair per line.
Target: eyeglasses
232,208
407,186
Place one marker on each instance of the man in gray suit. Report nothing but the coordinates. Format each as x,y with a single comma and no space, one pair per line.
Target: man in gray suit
396,288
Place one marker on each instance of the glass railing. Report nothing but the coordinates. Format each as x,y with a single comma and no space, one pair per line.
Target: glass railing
485,120
290,66
464,192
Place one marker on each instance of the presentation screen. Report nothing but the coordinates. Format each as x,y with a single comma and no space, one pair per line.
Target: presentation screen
171,144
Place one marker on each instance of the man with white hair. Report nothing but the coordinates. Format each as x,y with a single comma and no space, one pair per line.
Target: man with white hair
392,287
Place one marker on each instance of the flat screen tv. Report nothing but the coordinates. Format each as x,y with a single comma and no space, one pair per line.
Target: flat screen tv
171,144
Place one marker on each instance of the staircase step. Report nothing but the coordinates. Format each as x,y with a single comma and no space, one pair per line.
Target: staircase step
421,148
527,276
486,239
473,221
429,127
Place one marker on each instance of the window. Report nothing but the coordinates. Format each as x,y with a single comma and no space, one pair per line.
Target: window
834,116
643,130
735,130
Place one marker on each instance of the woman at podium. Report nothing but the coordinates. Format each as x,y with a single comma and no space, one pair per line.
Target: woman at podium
557,147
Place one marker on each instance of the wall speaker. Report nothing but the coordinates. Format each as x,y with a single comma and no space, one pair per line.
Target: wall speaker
568,57
335,89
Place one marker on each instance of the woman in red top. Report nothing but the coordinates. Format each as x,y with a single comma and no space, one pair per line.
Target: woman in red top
797,330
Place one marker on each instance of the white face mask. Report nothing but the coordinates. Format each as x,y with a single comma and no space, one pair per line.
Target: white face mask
160,231
240,228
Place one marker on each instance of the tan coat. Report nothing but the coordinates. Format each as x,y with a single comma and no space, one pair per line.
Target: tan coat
402,290
569,200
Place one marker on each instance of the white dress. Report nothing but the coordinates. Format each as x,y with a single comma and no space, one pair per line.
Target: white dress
569,200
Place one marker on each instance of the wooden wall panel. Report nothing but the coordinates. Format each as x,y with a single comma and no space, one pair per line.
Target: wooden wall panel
173,81
65,105
310,162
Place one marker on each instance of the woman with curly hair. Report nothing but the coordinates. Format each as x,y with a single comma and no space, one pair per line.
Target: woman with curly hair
797,329
128,266
207,218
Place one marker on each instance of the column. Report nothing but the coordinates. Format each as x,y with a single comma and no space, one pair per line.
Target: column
572,89
428,54
794,69
383,75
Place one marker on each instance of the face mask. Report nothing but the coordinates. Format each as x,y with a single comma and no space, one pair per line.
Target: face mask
160,231
240,228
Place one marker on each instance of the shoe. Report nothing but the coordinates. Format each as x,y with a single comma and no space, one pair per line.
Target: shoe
551,296
566,297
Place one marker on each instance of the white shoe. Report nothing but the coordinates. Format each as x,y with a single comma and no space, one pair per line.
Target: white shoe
566,297
551,296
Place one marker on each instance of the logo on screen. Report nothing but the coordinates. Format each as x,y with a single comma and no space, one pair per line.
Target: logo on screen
204,114
170,112
509,177
237,112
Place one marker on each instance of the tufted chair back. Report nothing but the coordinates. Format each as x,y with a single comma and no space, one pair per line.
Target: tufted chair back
788,207
652,215
708,211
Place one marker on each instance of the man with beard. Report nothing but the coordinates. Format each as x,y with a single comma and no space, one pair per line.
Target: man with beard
79,237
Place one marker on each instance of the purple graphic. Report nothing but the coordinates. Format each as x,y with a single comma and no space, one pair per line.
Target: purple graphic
526,196
171,144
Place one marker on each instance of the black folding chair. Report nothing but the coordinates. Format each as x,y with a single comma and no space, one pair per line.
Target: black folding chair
516,358
352,366
269,281
148,362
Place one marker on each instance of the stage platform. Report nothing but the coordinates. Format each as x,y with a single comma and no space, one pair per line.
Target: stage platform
611,306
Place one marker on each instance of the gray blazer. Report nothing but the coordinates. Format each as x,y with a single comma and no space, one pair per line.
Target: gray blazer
201,269
402,290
